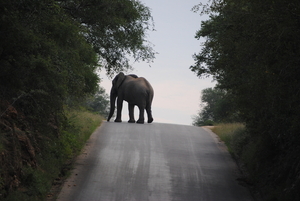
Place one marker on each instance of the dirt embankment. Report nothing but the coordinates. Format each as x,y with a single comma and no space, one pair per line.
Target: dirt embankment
19,146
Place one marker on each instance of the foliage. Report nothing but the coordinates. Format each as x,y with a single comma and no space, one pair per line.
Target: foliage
115,28
252,49
55,156
50,51
243,149
198,121
216,107
227,132
44,57
99,102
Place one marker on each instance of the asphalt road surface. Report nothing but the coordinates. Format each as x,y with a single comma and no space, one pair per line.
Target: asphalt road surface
159,162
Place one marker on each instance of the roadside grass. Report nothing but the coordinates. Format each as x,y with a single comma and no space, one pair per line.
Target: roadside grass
55,159
81,124
243,149
239,143
249,151
228,133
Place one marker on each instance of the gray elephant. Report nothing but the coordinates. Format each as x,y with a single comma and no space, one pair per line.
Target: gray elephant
136,91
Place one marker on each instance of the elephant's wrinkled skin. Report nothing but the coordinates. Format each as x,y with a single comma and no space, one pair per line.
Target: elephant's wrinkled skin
136,91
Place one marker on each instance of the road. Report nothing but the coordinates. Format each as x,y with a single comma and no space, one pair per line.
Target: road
153,162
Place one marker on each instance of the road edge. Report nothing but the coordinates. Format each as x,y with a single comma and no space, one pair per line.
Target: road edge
242,172
73,176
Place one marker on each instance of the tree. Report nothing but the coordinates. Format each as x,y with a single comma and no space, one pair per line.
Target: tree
99,102
248,45
44,56
115,28
50,51
252,49
216,107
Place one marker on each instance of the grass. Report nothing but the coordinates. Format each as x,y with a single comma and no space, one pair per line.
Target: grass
81,125
228,133
242,148
57,152
249,151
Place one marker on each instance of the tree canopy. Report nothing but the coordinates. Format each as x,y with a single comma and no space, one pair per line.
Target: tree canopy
116,29
252,49
217,106
99,103
50,50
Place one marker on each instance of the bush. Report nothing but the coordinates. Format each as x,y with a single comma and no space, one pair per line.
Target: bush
228,132
54,156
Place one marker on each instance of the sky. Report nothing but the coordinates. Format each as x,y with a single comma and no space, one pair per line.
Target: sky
177,89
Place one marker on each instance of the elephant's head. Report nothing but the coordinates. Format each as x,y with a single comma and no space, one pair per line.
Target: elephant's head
116,83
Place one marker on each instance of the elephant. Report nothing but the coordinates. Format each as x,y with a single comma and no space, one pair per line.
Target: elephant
137,91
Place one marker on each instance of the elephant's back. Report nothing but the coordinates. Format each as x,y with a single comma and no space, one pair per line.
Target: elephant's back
149,92
145,83
138,89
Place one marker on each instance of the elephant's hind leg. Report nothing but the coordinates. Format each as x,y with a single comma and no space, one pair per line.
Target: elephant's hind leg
131,113
149,114
141,117
150,120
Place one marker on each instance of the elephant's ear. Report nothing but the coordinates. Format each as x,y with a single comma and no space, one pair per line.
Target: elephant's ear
120,80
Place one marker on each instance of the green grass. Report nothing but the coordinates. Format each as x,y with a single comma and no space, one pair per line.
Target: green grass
249,151
56,156
85,122
241,146
228,133
81,125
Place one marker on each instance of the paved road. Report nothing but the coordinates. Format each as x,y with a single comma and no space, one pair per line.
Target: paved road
159,162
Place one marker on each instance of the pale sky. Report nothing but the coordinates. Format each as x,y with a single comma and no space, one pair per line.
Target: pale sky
177,89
